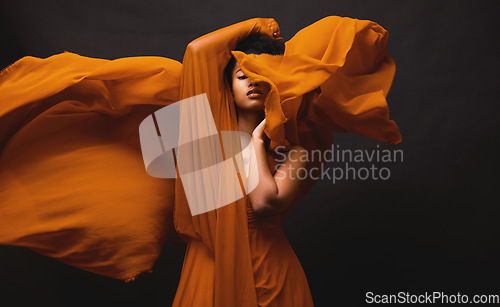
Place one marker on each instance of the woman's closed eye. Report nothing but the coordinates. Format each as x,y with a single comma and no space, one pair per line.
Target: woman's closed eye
242,77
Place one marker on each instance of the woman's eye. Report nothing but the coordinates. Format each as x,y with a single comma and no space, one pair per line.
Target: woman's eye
242,77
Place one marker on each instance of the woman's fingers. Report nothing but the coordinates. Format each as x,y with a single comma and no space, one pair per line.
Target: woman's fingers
270,27
259,130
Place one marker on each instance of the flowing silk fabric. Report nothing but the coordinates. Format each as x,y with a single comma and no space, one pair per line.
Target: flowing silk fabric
223,233
347,62
72,180
73,184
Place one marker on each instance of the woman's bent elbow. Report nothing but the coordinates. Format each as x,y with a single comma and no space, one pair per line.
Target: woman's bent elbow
266,209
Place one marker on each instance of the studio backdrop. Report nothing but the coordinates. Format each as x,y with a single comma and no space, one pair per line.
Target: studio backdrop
423,219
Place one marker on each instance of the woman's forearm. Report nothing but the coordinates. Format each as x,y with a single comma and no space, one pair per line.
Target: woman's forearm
274,195
226,39
265,193
209,54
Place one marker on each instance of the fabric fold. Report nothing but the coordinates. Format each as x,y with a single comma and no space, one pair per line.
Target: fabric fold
336,84
72,180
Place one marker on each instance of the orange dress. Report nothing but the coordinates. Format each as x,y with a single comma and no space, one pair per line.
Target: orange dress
72,180
279,277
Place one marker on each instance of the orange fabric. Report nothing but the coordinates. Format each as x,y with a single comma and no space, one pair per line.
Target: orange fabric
72,180
279,277
347,59
224,231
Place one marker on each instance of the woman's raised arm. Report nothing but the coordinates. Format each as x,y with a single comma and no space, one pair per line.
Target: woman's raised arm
206,57
224,40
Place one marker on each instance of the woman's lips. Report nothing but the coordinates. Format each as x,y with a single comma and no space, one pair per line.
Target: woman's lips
254,93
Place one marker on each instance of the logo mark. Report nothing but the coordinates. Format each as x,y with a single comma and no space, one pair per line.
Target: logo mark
182,140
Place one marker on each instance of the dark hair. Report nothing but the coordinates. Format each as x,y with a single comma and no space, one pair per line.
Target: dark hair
255,44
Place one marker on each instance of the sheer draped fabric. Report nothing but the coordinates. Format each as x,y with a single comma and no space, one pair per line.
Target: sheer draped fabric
72,180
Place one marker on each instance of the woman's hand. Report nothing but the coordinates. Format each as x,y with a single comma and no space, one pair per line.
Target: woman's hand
226,39
258,132
269,26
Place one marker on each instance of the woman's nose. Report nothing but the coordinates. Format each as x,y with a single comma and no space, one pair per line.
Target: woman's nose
253,83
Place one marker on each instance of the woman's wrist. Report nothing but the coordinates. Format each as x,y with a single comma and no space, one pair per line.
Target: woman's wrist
269,27
257,138
258,134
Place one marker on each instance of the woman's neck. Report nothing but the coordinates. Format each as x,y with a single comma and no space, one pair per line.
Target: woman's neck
248,120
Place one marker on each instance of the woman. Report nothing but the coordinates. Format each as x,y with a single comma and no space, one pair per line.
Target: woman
278,278
72,181
228,249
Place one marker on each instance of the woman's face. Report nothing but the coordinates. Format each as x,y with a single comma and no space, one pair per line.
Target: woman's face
248,95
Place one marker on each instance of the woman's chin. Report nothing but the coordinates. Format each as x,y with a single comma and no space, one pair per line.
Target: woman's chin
257,104
253,105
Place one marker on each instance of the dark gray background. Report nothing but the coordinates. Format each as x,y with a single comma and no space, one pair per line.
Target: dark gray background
432,226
